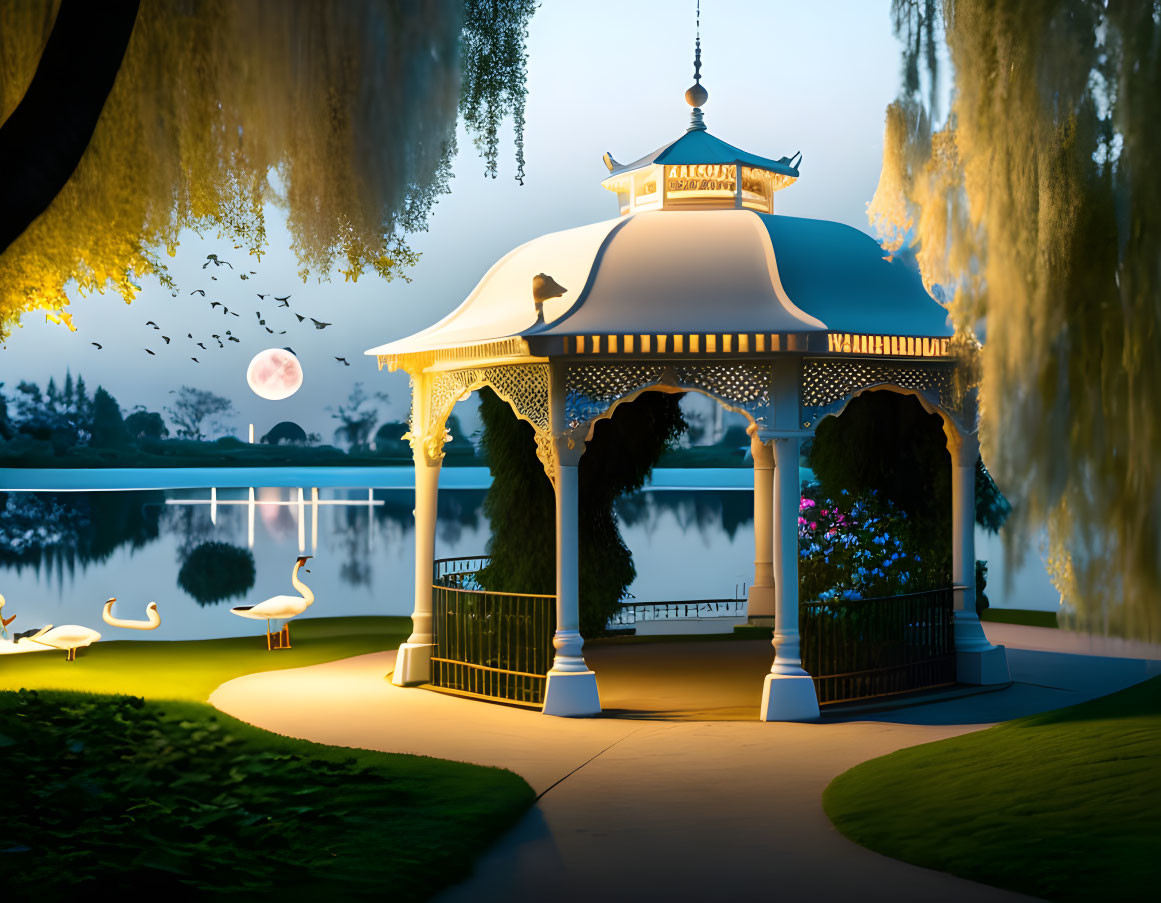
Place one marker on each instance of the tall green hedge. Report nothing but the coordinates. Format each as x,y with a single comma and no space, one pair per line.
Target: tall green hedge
521,506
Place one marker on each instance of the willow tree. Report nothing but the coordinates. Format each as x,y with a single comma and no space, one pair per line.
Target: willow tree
1033,206
148,119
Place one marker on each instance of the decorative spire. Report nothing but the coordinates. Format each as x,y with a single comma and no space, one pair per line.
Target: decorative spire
696,96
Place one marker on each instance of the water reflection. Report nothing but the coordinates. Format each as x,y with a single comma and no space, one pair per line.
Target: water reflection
63,554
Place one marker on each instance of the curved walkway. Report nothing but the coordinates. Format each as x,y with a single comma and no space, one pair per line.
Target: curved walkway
651,803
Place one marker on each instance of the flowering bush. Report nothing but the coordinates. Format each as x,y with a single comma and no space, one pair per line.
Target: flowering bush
855,547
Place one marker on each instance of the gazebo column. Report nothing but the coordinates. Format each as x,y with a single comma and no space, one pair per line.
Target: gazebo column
977,660
788,693
413,661
572,686
760,597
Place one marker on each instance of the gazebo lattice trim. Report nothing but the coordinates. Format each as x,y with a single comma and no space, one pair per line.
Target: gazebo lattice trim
592,391
828,385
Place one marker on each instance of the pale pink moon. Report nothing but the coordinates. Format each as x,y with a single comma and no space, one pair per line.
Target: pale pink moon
274,374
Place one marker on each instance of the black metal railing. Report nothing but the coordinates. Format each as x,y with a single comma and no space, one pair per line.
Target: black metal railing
631,613
863,648
490,644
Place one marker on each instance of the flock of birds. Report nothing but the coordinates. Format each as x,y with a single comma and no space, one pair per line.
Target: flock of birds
283,302
71,637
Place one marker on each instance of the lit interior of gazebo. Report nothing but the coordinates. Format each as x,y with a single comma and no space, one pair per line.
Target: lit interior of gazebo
696,286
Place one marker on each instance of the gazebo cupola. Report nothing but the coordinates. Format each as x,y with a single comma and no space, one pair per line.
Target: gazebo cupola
698,171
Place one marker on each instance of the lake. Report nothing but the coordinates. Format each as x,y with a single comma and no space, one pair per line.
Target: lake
62,554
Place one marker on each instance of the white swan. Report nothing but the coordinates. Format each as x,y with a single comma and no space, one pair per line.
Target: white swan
4,622
150,612
280,608
25,643
69,637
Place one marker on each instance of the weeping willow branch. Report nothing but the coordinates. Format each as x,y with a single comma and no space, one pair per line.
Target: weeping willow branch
1034,209
342,113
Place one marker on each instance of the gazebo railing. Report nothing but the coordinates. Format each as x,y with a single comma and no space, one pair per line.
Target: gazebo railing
489,644
632,613
863,648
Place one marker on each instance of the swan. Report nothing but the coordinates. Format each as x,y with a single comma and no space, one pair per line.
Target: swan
280,608
150,612
24,643
69,637
4,622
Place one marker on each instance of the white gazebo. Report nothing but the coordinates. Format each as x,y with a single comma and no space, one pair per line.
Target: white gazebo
697,286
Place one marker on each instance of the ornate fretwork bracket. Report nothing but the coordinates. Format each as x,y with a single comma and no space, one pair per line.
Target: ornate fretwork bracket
828,385
523,386
592,391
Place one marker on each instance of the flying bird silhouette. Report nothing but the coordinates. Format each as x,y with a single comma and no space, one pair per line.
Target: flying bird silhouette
195,360
99,346
201,346
189,335
232,314
151,323
282,302
343,361
147,351
199,291
291,350
318,324
262,296
166,339
214,304
300,317
268,329
234,339
282,332
213,258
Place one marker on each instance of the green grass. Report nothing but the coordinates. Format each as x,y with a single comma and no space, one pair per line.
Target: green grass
168,796
1064,805
191,669
1027,616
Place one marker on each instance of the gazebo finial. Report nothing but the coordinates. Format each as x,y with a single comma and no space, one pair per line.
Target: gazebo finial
697,95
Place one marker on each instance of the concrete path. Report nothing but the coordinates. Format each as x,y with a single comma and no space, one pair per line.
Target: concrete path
654,802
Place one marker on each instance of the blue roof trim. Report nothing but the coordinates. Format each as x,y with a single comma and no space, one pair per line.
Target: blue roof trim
702,147
837,274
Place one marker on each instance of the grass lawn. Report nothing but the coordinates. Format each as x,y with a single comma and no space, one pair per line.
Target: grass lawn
169,796
1064,805
192,669
1026,616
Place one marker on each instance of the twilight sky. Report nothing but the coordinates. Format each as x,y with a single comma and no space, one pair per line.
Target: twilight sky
602,76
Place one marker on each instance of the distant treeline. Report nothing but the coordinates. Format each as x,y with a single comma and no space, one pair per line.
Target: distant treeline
64,425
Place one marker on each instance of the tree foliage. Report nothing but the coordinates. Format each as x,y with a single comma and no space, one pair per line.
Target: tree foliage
1034,209
215,571
195,410
143,424
357,416
108,429
521,505
285,431
219,110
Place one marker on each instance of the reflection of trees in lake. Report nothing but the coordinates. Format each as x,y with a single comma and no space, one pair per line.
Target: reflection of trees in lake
724,511
349,536
59,531
216,571
458,511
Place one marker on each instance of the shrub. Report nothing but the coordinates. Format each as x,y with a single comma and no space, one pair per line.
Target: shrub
216,571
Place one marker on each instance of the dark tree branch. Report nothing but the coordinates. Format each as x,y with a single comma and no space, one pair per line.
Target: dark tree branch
43,140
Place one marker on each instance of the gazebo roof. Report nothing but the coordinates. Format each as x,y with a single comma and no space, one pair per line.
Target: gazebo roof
699,146
696,263
688,272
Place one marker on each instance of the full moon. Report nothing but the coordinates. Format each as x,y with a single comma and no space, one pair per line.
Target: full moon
274,374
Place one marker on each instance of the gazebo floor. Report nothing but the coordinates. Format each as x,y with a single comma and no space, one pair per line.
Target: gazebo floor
680,678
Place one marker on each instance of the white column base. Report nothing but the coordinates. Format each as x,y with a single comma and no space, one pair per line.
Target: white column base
760,604
788,697
983,669
571,694
412,665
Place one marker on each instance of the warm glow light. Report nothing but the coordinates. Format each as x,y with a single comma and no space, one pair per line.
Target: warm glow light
274,374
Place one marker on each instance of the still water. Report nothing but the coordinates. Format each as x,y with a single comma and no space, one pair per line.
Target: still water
63,554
